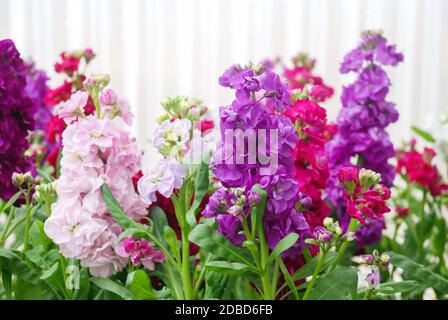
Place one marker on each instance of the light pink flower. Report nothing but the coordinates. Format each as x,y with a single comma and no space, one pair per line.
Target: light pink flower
164,177
74,106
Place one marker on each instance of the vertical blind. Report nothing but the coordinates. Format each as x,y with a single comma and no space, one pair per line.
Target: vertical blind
157,48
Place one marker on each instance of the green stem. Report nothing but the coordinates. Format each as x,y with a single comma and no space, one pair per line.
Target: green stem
186,276
28,218
368,294
320,262
351,228
7,225
264,256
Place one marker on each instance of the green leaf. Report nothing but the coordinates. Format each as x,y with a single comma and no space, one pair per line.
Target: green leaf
420,273
224,267
283,245
7,282
11,201
51,272
308,269
38,236
171,238
116,211
131,232
288,279
208,238
159,222
140,285
338,284
112,286
202,181
218,286
424,134
82,293
243,289
395,287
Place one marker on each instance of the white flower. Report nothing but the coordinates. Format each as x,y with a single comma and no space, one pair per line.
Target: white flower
164,177
172,136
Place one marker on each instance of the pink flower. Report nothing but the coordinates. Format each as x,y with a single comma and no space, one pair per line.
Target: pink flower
205,125
163,178
73,107
108,98
140,251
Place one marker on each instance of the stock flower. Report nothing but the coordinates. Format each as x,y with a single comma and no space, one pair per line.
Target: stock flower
73,107
17,113
172,136
254,116
362,121
69,64
95,151
140,251
163,178
36,89
419,169
365,198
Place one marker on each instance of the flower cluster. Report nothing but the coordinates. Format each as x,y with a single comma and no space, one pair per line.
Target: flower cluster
95,152
17,112
366,197
301,77
260,98
362,122
140,251
69,66
419,169
365,114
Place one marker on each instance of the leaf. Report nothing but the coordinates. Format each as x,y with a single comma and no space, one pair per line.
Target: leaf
159,222
283,245
7,282
208,238
243,289
338,284
224,267
395,287
308,269
171,238
51,272
131,232
115,210
289,281
82,293
218,286
112,286
38,236
139,284
420,273
11,201
202,181
424,134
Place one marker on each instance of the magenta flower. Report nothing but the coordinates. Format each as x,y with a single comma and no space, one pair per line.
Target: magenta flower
140,251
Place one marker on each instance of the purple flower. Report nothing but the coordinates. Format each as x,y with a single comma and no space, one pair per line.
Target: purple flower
370,233
16,117
321,234
36,87
362,121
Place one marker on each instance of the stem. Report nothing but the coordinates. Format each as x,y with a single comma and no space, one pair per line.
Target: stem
351,228
7,225
264,252
28,218
186,276
320,262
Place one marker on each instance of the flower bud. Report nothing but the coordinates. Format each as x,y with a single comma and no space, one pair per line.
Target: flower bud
254,197
328,222
337,230
17,179
162,118
108,97
235,210
367,178
385,259
322,235
238,192
193,113
28,178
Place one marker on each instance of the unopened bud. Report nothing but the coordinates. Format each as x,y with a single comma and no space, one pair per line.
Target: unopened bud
328,222
17,179
254,197
235,210
108,97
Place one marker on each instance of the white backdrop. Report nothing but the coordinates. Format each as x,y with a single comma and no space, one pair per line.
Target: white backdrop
156,48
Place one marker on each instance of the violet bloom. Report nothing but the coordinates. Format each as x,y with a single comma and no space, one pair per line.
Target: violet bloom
17,113
36,87
363,119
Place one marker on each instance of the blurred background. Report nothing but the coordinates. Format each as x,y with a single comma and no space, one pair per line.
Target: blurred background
157,48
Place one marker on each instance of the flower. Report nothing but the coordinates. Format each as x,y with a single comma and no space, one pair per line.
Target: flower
68,65
322,235
164,177
17,112
73,107
140,251
95,152
36,88
402,212
419,169
361,123
172,136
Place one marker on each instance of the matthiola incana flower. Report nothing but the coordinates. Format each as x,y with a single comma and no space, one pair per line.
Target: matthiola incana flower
260,97
95,151
172,136
140,251
17,111
163,178
362,122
